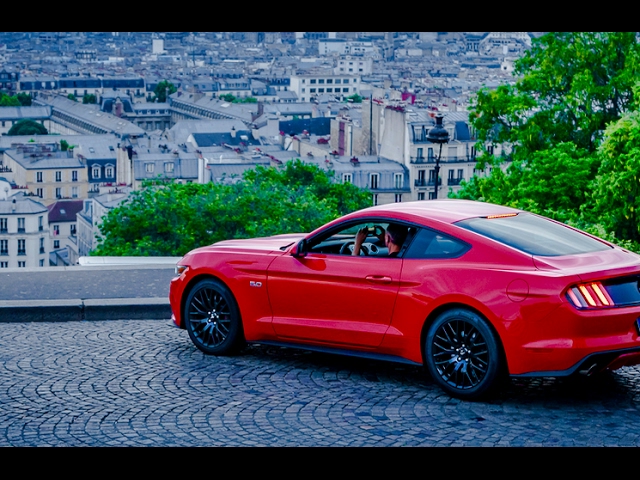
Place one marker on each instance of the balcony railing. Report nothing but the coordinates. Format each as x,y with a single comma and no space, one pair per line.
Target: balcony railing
454,181
423,159
421,182
444,159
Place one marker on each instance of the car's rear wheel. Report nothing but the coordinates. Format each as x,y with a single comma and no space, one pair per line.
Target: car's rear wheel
462,354
212,318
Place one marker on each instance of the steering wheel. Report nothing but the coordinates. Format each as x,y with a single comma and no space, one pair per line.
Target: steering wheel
348,247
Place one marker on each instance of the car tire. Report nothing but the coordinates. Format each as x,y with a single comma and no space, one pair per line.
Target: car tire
212,318
462,354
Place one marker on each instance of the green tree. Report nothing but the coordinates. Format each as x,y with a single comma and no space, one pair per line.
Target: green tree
89,98
615,202
165,218
24,99
163,90
551,120
71,96
355,98
227,97
27,127
9,101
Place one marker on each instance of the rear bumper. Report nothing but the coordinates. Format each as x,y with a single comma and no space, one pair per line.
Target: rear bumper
594,363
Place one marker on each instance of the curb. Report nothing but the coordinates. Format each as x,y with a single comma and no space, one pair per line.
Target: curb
84,310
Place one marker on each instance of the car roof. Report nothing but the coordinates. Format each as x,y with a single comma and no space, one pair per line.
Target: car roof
445,210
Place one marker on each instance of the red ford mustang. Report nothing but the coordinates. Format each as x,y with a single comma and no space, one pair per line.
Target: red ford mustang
477,292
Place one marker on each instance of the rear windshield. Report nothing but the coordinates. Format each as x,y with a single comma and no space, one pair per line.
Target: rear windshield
534,235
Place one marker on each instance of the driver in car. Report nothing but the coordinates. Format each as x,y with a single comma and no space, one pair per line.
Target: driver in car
394,237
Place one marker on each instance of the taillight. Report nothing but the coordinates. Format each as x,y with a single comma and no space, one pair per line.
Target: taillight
590,295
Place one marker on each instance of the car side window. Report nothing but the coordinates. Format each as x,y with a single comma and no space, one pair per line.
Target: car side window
341,241
432,244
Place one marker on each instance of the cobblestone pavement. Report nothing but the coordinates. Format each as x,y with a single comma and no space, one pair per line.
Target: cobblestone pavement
140,382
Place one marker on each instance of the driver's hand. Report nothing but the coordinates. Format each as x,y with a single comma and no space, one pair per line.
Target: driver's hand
361,236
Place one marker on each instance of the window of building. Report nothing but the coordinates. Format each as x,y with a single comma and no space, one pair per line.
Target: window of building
346,178
398,198
3,225
168,167
321,80
39,192
42,262
22,248
312,90
313,80
22,264
74,192
346,80
56,229
95,171
21,224
321,90
374,181
346,90
4,264
374,199
108,172
58,176
39,177
56,244
40,223
432,196
42,245
4,247
420,195
330,80
58,192
398,180
330,90
149,167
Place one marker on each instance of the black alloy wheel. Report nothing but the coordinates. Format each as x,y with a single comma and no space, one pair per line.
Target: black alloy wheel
212,318
462,354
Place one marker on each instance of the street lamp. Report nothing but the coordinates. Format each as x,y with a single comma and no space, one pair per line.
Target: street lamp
439,135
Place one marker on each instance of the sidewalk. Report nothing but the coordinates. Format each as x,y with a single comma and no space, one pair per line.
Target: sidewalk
100,291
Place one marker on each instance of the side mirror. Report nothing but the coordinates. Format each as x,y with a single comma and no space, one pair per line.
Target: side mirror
300,250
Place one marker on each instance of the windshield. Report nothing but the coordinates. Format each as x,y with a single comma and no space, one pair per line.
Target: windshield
533,234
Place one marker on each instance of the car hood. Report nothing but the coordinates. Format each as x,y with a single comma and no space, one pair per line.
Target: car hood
593,266
274,243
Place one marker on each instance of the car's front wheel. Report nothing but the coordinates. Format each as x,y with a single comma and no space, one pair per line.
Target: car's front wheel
212,318
462,354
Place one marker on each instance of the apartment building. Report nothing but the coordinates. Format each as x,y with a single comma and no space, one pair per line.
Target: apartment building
48,172
309,85
24,232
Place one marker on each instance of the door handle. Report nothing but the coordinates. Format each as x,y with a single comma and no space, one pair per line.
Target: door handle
378,279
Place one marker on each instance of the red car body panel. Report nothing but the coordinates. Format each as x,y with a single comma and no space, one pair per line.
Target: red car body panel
382,305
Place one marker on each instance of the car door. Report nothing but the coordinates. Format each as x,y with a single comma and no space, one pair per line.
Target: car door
333,298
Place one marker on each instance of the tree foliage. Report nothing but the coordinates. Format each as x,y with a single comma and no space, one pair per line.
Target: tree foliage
551,122
228,97
9,100
163,90
27,127
166,218
24,99
615,196
89,98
